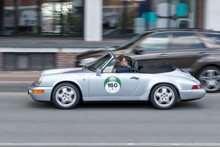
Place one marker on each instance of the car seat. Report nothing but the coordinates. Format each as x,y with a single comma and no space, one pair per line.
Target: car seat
134,65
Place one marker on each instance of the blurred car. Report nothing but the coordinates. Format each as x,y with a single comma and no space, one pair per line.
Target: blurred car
163,85
118,32
193,50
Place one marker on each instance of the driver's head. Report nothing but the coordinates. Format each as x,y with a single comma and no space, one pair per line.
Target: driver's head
120,58
126,61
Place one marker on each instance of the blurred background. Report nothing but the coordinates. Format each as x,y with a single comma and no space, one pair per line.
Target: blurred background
45,34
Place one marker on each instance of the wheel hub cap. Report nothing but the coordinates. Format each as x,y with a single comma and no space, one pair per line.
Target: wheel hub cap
210,79
164,96
65,96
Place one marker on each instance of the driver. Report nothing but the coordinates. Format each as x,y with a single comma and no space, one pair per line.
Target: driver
125,64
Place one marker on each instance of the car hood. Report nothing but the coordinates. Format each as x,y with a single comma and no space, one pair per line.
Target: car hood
62,70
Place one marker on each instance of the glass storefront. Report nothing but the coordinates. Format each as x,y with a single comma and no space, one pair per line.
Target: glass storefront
120,17
43,17
9,17
113,17
62,17
51,17
27,15
124,17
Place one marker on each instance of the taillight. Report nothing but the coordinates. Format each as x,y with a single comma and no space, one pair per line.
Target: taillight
196,87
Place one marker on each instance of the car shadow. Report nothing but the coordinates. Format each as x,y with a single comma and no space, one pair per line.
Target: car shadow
190,105
119,105
41,105
139,105
116,105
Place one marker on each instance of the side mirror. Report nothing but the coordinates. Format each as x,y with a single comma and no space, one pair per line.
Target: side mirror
138,50
98,72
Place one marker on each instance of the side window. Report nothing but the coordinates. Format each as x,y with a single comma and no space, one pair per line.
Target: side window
156,42
186,40
109,67
214,37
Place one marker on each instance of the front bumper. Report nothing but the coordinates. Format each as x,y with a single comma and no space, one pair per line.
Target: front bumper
40,97
186,95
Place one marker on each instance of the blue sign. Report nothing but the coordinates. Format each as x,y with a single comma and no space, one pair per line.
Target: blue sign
181,9
149,17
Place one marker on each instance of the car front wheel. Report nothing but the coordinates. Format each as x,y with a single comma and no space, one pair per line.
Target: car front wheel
163,96
210,78
66,96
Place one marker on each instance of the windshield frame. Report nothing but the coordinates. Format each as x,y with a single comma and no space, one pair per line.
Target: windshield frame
102,67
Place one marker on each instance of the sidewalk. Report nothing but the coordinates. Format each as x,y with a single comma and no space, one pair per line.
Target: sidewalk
58,42
19,76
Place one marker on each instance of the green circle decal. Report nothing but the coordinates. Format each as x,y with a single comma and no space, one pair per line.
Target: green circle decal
112,84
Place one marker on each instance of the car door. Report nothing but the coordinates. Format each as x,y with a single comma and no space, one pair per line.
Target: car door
186,49
151,48
113,84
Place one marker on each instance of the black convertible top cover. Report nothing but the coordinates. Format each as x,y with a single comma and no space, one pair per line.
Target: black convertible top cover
156,67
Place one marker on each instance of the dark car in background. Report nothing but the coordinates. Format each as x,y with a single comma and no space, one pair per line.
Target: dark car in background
193,50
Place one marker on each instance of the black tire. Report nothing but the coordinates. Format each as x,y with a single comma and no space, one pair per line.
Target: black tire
66,96
167,99
211,84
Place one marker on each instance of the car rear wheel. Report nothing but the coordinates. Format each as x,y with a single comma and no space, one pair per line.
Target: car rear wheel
66,96
163,96
210,78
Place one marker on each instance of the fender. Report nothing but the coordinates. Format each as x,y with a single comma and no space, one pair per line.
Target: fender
210,60
53,80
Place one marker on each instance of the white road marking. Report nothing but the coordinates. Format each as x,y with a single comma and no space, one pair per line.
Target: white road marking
110,144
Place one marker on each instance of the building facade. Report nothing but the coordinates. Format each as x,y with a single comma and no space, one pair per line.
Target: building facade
93,20
41,17
115,18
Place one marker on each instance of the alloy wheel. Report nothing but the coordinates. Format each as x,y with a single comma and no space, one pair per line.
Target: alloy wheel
164,96
65,96
210,79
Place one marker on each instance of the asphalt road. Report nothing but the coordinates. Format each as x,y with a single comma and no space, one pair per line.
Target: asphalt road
27,122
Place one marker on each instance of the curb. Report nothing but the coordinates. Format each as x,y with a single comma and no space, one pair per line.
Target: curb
16,82
15,79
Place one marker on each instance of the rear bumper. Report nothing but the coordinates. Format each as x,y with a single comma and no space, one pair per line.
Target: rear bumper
194,94
40,97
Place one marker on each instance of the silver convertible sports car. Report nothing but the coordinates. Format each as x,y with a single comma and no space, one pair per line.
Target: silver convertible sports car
160,83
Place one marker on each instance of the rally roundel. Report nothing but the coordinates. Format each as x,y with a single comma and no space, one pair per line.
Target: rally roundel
112,84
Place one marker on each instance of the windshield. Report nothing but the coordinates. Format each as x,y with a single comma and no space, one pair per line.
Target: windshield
215,37
99,63
132,41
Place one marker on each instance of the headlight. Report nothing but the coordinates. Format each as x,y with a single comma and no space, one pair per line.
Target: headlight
42,73
87,61
37,83
40,79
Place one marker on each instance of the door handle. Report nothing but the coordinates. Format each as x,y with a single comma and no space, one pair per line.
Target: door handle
163,55
136,78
